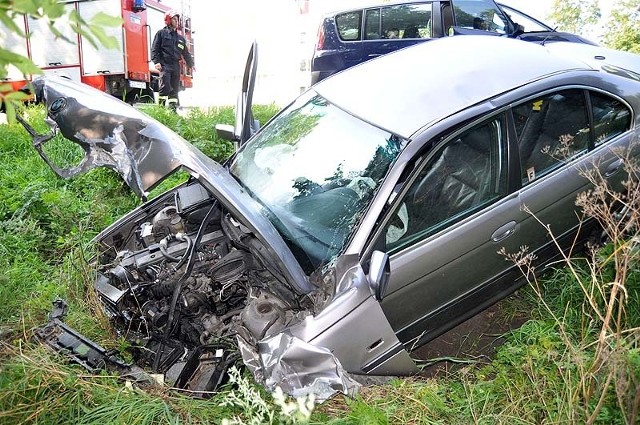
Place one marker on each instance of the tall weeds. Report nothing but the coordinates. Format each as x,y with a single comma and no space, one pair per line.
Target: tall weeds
601,364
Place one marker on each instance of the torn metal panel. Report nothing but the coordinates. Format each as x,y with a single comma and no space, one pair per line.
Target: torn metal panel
353,325
319,353
297,367
111,133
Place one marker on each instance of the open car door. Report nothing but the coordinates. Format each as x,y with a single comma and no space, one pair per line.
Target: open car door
245,125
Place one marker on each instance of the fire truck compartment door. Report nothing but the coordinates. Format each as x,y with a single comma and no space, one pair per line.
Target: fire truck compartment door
49,51
100,60
15,44
136,44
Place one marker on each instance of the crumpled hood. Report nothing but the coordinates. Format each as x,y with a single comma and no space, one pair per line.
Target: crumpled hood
115,135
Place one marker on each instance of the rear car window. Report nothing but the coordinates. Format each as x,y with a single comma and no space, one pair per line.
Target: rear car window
551,129
610,117
404,21
349,25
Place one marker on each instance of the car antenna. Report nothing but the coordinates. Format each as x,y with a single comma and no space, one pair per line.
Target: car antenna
548,35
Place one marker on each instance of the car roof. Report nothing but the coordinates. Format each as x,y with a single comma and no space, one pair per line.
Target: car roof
411,88
336,11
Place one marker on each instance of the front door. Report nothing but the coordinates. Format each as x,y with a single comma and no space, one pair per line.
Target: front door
446,230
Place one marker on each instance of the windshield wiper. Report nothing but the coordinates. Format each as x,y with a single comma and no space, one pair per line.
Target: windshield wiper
544,40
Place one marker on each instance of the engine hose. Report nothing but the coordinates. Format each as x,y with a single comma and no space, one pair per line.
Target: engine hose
165,254
163,289
163,249
189,253
182,236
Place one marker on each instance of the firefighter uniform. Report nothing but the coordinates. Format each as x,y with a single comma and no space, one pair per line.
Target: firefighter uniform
167,48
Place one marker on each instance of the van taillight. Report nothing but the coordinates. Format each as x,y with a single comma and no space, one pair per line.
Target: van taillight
320,43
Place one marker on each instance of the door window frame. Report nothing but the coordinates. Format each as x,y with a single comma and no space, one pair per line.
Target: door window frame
591,145
511,166
433,149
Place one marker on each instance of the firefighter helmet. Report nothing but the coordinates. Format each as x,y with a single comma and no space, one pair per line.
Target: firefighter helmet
170,14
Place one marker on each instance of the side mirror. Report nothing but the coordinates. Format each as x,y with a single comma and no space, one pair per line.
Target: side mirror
518,30
379,271
226,132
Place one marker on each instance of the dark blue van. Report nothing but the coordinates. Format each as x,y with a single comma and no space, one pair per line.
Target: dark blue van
349,37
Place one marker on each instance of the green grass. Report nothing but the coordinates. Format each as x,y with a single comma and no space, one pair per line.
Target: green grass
539,375
36,387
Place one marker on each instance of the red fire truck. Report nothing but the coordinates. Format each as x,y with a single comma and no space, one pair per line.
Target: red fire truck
126,72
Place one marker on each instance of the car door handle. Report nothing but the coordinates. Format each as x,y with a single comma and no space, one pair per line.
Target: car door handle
373,55
504,231
614,168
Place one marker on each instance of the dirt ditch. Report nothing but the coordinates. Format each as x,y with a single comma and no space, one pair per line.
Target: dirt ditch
473,341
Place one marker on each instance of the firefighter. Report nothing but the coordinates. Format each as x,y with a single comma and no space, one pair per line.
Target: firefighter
168,46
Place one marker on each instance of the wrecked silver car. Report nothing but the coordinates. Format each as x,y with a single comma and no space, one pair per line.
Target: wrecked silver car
362,221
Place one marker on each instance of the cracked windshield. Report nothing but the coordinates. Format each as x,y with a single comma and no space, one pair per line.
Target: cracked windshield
315,169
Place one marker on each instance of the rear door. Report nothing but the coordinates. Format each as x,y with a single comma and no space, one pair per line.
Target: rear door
393,27
556,150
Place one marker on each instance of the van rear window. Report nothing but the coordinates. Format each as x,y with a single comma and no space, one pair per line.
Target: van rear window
349,25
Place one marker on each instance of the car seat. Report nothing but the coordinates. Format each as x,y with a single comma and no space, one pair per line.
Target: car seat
457,180
564,118
530,134
411,32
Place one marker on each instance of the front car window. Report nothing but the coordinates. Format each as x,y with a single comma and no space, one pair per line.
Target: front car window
407,21
530,24
480,15
315,169
463,175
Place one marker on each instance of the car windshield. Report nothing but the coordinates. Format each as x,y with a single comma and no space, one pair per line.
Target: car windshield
480,15
315,168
